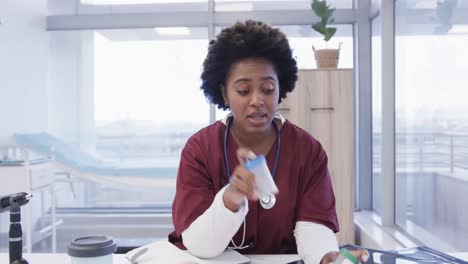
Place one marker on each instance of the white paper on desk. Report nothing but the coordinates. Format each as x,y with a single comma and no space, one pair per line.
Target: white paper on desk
165,252
229,256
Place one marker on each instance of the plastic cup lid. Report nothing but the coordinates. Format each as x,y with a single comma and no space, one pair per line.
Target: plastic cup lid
91,246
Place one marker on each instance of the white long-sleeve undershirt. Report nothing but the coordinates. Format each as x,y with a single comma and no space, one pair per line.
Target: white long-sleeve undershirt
314,241
210,234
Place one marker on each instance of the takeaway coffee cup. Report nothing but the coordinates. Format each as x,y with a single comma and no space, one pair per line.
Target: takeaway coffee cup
92,250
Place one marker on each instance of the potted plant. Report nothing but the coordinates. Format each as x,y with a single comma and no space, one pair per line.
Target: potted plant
325,58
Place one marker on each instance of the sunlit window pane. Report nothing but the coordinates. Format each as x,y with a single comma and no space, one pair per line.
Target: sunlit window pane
126,100
432,124
147,100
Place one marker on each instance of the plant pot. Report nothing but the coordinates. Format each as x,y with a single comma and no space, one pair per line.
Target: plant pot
327,58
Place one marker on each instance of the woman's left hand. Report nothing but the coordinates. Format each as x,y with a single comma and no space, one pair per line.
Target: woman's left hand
331,257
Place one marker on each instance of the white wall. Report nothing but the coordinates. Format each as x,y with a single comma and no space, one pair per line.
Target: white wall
46,78
23,66
23,70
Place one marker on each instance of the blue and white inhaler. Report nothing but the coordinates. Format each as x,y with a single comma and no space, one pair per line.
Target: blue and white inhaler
265,186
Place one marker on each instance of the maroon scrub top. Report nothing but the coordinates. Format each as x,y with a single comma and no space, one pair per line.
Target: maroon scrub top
303,180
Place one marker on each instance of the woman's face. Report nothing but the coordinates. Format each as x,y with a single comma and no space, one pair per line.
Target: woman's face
252,93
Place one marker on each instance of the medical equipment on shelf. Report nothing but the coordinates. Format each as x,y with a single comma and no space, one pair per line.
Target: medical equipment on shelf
267,201
13,202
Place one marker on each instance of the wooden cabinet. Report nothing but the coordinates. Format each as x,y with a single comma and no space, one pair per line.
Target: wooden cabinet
323,104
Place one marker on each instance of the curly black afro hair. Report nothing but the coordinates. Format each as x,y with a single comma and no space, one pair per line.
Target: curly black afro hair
251,39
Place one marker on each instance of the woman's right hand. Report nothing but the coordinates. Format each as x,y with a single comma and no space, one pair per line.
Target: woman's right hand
241,183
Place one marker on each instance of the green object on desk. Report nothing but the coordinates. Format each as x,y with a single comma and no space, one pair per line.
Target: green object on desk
348,255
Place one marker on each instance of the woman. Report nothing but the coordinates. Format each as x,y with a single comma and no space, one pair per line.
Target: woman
249,69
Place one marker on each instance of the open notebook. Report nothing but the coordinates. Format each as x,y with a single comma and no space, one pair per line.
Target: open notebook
165,252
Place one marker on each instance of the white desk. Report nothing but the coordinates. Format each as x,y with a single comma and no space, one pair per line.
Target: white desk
39,258
48,258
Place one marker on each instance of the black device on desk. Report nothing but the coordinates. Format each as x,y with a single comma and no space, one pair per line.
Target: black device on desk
13,202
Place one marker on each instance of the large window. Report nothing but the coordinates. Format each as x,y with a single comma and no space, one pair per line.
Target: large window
147,93
431,123
147,98
138,102
129,100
